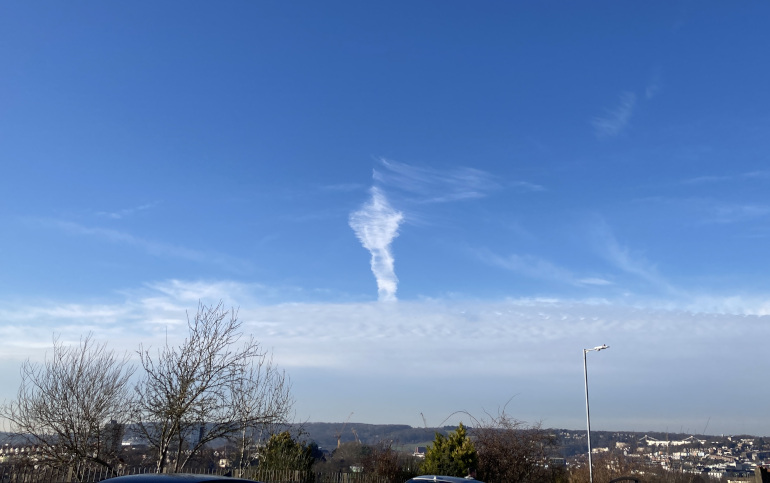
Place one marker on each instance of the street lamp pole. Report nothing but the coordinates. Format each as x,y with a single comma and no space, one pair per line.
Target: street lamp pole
588,411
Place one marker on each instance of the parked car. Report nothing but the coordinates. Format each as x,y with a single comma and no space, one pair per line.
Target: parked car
442,479
177,478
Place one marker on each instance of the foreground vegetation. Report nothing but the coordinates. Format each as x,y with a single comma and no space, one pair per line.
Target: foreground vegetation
217,384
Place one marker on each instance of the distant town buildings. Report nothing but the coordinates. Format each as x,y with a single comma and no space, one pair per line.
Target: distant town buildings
721,457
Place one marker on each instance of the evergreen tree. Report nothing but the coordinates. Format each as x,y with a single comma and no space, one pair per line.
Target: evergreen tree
451,455
283,453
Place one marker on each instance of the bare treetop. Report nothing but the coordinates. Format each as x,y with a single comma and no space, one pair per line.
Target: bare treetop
73,405
216,384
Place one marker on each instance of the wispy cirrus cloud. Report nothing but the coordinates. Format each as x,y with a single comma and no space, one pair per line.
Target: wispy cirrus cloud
653,86
526,186
615,120
651,90
736,213
628,261
376,226
594,281
530,266
151,247
119,214
538,268
343,187
428,185
704,211
710,179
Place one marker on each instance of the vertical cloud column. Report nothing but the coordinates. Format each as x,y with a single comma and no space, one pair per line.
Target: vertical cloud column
376,225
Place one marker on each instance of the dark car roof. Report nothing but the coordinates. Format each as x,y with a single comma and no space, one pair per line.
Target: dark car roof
442,479
175,478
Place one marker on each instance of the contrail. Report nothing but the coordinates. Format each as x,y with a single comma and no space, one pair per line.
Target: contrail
376,225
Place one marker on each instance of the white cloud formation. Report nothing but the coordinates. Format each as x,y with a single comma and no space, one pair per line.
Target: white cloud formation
376,225
614,121
528,347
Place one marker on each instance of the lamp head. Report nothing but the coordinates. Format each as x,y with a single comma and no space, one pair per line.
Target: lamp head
597,348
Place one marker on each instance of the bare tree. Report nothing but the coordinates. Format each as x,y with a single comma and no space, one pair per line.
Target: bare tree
213,385
383,460
72,406
261,401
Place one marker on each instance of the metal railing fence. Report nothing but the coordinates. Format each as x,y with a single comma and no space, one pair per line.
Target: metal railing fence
10,473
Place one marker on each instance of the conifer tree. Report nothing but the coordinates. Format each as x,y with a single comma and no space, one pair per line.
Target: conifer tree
282,453
451,455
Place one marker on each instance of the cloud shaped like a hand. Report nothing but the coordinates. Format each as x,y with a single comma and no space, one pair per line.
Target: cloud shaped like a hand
376,225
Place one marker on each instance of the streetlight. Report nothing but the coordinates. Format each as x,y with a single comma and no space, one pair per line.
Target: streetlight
588,413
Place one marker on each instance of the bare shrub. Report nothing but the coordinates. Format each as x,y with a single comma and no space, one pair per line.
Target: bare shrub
510,450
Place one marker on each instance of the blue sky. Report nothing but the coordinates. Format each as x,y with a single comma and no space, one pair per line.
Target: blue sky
419,207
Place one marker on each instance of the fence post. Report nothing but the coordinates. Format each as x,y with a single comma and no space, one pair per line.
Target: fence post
761,475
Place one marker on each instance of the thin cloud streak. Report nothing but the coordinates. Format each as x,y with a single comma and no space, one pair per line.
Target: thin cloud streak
436,186
622,258
594,281
117,215
150,247
538,268
529,266
525,186
727,213
376,226
653,86
710,211
343,187
707,179
614,121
